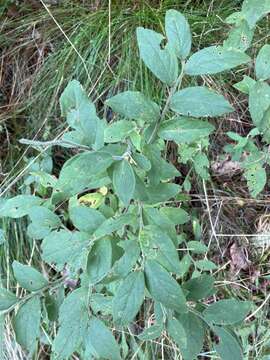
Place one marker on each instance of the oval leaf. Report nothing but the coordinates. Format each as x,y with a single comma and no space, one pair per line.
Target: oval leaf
163,287
214,59
178,33
128,298
198,101
124,181
28,277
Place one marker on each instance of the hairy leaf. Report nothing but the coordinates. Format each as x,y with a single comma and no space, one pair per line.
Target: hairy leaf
163,287
28,277
128,298
118,131
43,222
199,287
227,312
245,85
66,247
178,33
177,332
214,59
199,101
85,218
185,130
262,65
157,245
7,299
194,330
134,105
99,338
19,206
73,319
162,62
124,181
254,10
99,260
240,36
26,324
228,347
80,172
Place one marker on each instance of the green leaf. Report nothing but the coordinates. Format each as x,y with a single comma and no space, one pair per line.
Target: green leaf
206,265
73,319
185,130
194,330
254,10
199,287
156,217
142,161
28,277
178,33
134,105
85,218
256,177
151,333
66,247
240,36
157,245
245,85
259,102
118,131
163,287
214,59
128,298
43,222
99,337
26,324
124,265
161,193
201,165
7,299
227,312
124,181
160,170
162,62
19,206
2,336
113,224
101,303
197,247
176,215
199,101
73,97
177,332
81,115
228,347
2,237
99,260
80,172
262,65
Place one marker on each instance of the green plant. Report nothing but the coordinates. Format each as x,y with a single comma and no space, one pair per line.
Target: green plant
252,158
114,236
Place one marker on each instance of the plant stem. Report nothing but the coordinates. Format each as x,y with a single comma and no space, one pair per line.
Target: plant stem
176,85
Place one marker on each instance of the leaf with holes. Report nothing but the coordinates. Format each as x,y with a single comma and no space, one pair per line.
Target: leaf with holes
215,59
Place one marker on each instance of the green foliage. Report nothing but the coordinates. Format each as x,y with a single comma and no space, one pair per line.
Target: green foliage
110,222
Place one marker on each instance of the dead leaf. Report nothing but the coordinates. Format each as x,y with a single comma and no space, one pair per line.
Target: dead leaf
226,167
239,259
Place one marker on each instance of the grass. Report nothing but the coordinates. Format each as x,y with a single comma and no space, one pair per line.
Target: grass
43,48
